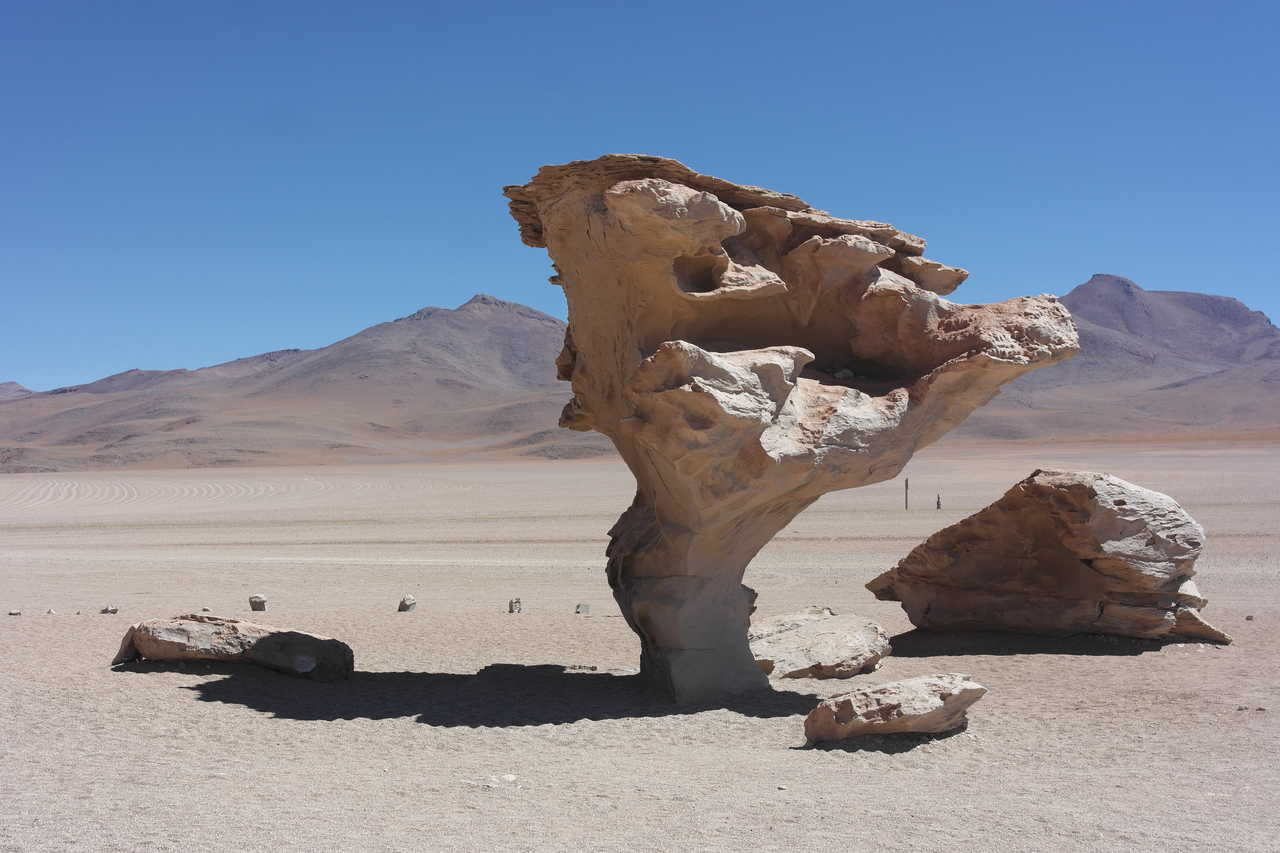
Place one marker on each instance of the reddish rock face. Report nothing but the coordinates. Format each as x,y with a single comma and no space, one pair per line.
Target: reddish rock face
1062,552
747,354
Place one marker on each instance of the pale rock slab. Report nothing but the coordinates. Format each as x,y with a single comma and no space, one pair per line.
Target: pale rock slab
747,354
199,637
1061,552
929,704
818,643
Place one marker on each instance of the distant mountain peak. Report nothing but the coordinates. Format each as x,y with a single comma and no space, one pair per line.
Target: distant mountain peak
486,299
12,391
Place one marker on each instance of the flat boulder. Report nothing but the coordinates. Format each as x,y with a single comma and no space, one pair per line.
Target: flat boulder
929,704
197,636
818,643
1062,552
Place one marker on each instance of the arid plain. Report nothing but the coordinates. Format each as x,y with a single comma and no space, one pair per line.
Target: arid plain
468,728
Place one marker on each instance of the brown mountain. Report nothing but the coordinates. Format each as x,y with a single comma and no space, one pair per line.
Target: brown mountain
12,391
1151,362
479,379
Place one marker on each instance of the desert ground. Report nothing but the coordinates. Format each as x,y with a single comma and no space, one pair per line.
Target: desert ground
466,728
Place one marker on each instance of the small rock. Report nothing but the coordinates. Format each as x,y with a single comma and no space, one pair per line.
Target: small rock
51,612
1249,618
928,704
514,605
15,612
818,643
508,777
782,787
582,609
110,608
205,610
257,602
77,612
407,603
1242,707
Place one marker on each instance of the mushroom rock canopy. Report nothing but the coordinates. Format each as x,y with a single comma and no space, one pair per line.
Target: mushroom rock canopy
747,354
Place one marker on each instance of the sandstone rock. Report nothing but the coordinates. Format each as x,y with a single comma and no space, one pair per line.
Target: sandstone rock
818,643
1061,552
746,354
407,603
257,602
15,612
930,704
198,637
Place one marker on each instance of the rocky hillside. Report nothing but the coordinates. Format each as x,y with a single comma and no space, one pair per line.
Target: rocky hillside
480,378
12,391
1151,362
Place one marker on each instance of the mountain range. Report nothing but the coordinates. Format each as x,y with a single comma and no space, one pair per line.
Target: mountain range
480,380
1152,363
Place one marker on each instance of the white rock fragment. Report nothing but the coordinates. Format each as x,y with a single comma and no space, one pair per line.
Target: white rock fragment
818,643
929,704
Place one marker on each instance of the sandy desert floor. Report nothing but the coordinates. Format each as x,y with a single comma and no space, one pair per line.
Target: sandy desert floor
469,729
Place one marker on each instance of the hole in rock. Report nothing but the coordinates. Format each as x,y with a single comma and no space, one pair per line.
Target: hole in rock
699,274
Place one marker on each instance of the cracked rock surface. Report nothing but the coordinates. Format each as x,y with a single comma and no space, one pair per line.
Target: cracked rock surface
1061,552
747,354
818,643
928,704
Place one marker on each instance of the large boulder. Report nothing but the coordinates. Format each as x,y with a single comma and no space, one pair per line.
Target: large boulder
747,354
818,643
1062,552
929,704
200,637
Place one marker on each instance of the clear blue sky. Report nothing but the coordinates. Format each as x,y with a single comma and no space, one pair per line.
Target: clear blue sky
186,183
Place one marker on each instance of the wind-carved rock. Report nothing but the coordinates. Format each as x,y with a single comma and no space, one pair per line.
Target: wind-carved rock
747,354
1061,552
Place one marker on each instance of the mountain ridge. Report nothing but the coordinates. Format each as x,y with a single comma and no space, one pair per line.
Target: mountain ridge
442,383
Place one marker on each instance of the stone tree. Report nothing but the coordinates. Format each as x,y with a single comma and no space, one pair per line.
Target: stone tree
747,354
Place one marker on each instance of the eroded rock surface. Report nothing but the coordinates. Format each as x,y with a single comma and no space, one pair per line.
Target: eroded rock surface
818,643
1061,552
929,704
746,354
199,637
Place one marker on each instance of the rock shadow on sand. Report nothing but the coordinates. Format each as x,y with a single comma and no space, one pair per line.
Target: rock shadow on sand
927,644
499,695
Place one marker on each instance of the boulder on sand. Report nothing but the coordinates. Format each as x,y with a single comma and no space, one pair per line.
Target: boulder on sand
818,643
199,637
929,704
1062,552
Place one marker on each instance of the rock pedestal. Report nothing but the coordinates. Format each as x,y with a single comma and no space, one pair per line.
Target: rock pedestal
746,354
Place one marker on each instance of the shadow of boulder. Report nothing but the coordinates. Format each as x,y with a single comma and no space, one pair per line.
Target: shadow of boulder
927,644
499,695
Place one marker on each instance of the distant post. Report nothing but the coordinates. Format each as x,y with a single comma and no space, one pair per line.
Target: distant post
939,501
906,493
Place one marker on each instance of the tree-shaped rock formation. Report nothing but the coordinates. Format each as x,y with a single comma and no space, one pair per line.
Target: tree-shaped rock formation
747,354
